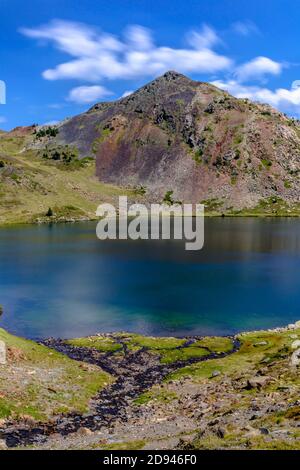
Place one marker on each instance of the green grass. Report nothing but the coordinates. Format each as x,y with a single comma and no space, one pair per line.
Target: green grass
38,382
249,356
215,343
236,441
182,354
35,185
101,343
130,445
155,343
169,349
162,396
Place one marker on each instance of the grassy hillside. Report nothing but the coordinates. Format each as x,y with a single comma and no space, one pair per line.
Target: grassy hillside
38,383
31,184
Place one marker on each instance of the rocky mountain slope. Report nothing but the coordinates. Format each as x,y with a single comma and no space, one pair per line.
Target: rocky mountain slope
175,134
174,137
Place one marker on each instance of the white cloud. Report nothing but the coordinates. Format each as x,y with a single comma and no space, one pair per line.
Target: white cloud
245,28
286,99
99,56
96,56
139,38
205,39
127,93
88,94
258,68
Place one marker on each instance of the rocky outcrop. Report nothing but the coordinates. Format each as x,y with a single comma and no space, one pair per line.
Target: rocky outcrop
176,134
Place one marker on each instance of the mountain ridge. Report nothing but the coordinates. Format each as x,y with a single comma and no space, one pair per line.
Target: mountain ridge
176,134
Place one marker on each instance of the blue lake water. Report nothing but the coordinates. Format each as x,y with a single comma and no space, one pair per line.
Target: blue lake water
61,281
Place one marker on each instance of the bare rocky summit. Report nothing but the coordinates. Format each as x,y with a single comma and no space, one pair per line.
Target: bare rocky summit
176,134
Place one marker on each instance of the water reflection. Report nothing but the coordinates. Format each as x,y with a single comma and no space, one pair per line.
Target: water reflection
60,280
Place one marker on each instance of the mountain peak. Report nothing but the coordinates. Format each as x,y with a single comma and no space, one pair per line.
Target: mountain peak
173,75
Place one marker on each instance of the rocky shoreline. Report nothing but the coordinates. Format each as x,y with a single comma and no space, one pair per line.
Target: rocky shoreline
135,373
191,391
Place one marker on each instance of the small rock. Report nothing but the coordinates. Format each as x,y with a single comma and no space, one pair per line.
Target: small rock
252,433
260,343
296,344
2,353
215,373
84,432
220,432
3,445
264,431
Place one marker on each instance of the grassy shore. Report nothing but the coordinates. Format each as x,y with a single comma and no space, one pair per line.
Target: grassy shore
213,396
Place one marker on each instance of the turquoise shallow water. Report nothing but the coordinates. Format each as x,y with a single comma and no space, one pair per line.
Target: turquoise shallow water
61,281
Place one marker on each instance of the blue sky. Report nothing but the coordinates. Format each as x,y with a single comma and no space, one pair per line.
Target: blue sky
58,57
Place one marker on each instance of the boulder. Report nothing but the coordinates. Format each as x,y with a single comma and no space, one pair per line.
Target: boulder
296,344
295,359
258,382
84,432
2,353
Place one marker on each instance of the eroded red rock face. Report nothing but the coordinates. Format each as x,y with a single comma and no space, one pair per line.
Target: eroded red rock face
22,131
194,139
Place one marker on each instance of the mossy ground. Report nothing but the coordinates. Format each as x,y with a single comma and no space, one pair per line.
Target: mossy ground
38,382
253,353
101,343
168,349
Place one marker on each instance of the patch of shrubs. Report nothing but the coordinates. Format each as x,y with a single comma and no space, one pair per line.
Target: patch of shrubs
46,132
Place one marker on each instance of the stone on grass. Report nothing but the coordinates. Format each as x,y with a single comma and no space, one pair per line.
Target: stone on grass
296,344
260,343
2,353
215,373
295,359
258,382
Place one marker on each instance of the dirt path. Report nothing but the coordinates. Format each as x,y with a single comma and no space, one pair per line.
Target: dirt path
134,372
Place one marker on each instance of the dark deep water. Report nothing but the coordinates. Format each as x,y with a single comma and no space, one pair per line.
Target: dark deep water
61,281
